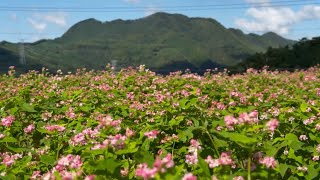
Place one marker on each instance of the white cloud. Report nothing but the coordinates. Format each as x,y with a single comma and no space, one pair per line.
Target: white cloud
39,26
279,20
40,21
57,18
151,10
132,1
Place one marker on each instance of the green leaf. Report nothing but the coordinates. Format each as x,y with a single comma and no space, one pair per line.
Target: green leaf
220,143
303,106
9,139
312,172
47,159
27,108
283,169
239,138
204,166
108,164
144,157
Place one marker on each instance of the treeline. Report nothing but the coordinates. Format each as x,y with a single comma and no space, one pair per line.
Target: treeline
303,54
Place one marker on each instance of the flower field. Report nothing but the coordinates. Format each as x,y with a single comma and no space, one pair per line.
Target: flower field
138,125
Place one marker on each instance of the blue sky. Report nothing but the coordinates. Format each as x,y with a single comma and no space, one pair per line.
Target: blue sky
36,19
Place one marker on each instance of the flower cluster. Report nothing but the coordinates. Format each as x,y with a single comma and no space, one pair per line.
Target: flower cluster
225,159
7,121
152,134
251,118
8,159
52,128
83,137
159,166
269,162
192,156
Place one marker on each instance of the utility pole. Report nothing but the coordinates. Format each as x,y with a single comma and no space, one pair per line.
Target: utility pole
114,65
22,60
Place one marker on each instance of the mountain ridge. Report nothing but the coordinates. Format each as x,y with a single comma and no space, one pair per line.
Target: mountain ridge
158,41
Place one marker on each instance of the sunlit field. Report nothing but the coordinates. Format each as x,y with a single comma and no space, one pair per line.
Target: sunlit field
135,124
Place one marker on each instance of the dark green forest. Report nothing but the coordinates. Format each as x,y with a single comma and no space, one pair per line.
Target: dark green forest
303,54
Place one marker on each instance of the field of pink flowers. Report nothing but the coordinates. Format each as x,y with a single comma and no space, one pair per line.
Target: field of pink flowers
138,125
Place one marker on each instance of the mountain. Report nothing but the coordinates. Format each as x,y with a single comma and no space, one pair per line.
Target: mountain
162,41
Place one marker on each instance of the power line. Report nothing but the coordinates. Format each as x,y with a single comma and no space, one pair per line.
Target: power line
144,7
139,9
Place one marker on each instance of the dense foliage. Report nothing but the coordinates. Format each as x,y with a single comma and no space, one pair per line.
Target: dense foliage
303,54
138,125
163,42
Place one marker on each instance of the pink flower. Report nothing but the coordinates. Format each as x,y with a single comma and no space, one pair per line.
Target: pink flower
269,162
29,128
238,178
230,121
315,158
318,127
69,161
195,143
7,121
90,177
192,158
35,175
54,127
124,172
152,134
2,135
129,132
145,172
212,162
272,125
117,141
225,159
303,137
8,160
189,176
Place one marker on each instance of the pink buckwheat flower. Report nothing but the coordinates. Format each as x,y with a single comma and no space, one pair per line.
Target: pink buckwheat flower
189,176
195,143
238,178
315,158
318,148
54,127
90,177
29,128
145,172
225,159
192,158
303,137
35,175
230,121
269,162
2,135
129,132
212,162
7,121
272,125
152,134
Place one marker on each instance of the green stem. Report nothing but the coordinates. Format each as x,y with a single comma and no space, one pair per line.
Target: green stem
249,168
174,143
214,144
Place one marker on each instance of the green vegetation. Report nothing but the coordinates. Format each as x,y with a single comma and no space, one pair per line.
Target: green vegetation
138,125
163,42
303,54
